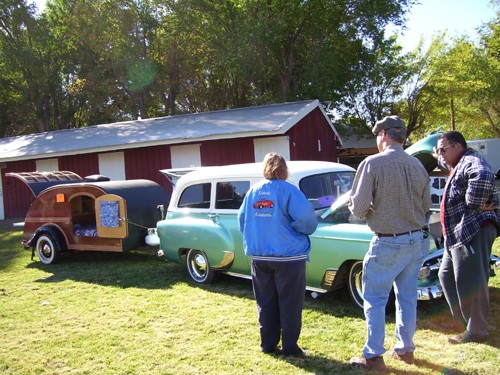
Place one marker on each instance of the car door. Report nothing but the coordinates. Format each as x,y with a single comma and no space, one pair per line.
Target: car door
228,198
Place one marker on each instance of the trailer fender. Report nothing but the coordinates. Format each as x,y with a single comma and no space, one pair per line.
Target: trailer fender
50,229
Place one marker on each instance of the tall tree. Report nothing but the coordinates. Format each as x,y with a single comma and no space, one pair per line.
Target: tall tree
29,69
458,88
378,85
104,61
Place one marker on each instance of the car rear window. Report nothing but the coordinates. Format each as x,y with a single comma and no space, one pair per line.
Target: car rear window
196,196
229,195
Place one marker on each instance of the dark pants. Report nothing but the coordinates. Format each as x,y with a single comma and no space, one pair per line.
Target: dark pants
464,276
279,289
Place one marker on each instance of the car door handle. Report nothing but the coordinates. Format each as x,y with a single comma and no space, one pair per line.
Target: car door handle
214,217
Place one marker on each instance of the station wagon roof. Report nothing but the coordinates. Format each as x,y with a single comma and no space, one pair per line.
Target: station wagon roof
297,169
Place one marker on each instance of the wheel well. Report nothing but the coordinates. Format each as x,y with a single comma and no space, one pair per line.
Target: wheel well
183,252
54,232
342,277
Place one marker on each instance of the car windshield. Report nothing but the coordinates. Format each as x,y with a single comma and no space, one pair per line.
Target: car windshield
338,212
322,190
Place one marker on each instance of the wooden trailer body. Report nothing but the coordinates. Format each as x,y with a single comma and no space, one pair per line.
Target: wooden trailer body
92,214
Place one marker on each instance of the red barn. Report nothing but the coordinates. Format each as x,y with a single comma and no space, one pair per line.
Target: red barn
139,149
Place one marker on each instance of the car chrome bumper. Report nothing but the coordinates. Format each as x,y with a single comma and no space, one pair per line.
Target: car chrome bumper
429,292
495,260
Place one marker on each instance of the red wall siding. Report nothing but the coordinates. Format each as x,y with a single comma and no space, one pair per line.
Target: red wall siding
146,163
17,196
227,151
83,165
305,135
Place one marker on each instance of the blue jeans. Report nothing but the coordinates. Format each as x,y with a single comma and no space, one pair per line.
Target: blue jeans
392,262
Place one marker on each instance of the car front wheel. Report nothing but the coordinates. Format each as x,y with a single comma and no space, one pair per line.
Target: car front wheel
47,249
198,267
355,283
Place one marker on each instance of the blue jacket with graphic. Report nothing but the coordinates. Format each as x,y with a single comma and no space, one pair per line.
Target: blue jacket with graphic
276,219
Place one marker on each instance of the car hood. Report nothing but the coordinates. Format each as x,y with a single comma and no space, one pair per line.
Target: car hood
422,150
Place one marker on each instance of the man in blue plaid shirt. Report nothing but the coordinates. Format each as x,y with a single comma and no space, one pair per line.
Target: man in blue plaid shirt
470,225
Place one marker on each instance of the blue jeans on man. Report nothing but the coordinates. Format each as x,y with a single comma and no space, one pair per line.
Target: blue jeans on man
393,261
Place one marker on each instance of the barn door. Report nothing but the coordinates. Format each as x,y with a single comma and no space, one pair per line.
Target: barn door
111,216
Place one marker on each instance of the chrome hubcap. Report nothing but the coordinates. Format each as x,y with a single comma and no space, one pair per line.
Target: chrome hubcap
46,250
200,265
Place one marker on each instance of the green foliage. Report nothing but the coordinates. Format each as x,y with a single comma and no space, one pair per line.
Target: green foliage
85,62
101,61
456,85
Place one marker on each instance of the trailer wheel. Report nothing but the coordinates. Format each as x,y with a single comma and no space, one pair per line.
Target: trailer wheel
47,249
198,267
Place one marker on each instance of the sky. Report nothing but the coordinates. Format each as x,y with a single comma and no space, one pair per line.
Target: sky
456,17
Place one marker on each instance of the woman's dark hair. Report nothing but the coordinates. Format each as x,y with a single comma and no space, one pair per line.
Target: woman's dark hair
275,167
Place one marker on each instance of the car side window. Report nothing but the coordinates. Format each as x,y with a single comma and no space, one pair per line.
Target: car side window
229,195
196,196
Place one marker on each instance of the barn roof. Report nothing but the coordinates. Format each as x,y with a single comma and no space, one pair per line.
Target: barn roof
275,119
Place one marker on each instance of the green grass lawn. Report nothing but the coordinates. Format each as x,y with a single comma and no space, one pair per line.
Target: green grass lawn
134,313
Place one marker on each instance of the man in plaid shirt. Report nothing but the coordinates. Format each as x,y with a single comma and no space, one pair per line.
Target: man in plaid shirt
470,225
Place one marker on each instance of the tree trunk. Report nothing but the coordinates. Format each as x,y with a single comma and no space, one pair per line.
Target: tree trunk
495,129
452,114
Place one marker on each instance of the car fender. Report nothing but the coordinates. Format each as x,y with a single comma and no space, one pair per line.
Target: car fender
177,235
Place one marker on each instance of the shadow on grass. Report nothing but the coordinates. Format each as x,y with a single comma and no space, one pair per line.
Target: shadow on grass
137,269
311,364
143,269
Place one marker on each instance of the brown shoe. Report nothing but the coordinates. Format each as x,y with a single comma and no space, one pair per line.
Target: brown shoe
407,357
375,363
466,337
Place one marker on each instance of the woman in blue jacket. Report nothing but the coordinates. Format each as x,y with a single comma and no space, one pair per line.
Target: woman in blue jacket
276,219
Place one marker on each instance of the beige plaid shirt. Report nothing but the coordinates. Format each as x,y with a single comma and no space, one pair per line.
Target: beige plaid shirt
391,190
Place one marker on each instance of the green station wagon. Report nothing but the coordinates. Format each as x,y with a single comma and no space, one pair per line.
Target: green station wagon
201,231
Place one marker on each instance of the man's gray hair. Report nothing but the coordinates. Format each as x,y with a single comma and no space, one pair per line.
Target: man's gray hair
396,134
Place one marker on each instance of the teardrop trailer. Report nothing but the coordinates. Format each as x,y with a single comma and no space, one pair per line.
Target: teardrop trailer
88,214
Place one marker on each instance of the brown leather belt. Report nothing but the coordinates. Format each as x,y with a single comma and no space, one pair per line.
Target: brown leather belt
398,234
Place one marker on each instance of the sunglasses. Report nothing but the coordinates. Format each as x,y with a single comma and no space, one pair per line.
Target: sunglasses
441,150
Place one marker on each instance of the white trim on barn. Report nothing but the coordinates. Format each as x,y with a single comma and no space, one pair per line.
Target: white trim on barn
185,156
262,146
112,165
47,165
